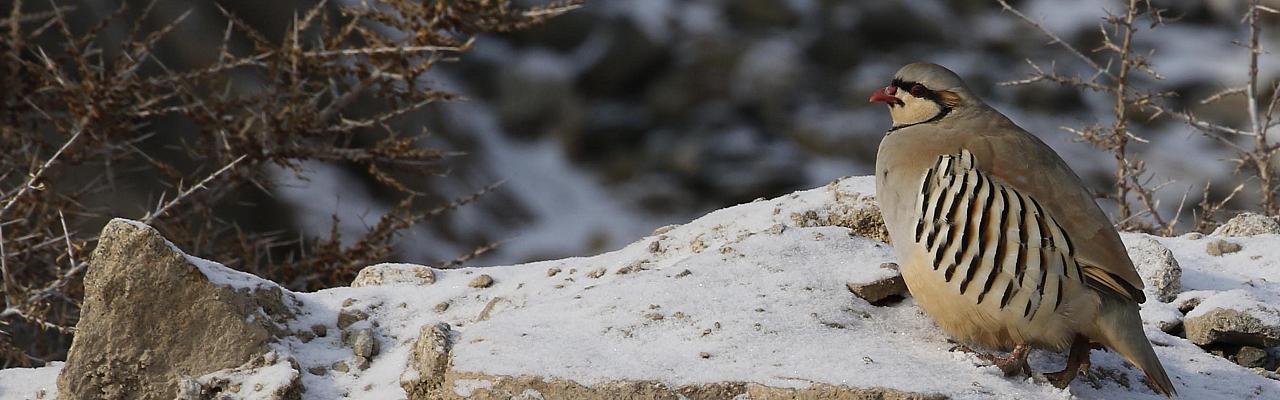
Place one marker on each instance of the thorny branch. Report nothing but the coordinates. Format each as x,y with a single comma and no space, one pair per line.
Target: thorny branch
1132,182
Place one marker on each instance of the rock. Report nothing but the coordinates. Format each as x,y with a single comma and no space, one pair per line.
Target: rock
267,370
632,267
361,363
1233,317
482,281
1219,247
552,271
1155,263
320,330
596,273
1248,224
664,229
362,342
340,366
1193,236
152,317
882,287
428,362
318,371
655,246
851,210
394,274
684,273
442,307
1251,357
348,317
776,229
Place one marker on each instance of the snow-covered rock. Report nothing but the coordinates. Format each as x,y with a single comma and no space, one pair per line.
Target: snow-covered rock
1155,263
1248,224
749,300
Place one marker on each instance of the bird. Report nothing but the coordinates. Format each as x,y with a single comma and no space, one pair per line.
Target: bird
999,241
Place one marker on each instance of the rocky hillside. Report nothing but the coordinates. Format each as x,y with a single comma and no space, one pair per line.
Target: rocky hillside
792,296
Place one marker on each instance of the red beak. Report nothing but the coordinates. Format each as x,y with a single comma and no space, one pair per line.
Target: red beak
885,95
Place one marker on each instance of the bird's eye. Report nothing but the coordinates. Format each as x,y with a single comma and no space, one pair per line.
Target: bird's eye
918,90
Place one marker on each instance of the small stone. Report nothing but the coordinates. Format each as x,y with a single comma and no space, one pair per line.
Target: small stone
759,310
704,354
1251,357
664,229
1193,236
362,363
697,245
363,343
654,316
319,371
596,273
633,267
340,366
878,290
684,273
867,360
717,324
553,271
558,286
573,271
348,302
306,336
1248,224
348,317
706,332
726,250
1219,247
655,247
776,229
679,315
442,307
320,330
482,281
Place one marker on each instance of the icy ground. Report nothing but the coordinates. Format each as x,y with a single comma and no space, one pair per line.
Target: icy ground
749,293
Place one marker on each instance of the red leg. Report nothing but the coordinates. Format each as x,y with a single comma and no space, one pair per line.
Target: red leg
1077,360
1015,363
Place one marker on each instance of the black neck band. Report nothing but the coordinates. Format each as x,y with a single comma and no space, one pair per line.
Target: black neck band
938,116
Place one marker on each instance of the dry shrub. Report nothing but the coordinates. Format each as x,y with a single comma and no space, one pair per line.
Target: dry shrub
100,121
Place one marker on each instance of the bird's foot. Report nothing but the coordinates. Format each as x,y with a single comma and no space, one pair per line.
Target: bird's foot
1077,360
1014,363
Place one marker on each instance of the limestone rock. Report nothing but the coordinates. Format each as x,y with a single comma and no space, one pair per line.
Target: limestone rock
154,317
1234,317
1248,224
394,274
1155,263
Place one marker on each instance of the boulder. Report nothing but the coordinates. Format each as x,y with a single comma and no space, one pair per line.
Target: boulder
154,317
1234,317
394,274
1248,224
1155,263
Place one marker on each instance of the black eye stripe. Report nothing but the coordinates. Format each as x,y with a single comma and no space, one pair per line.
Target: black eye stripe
906,86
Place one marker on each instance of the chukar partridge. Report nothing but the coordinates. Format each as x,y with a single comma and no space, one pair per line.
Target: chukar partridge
998,239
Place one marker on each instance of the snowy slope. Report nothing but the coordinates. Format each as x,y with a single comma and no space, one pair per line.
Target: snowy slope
753,293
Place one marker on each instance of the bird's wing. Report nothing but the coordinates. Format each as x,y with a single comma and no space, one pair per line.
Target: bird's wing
976,228
1022,162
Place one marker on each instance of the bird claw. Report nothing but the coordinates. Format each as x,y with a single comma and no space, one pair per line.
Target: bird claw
1015,363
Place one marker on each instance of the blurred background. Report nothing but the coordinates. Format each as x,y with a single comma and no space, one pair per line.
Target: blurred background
623,116
539,138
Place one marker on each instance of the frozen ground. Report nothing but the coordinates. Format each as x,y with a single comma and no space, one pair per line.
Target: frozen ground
754,292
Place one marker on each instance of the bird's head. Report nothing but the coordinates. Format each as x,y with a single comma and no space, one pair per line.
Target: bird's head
922,93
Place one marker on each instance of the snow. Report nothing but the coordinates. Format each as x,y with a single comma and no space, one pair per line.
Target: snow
750,293
30,383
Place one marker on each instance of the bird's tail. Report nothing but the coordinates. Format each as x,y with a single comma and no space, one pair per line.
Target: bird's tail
1121,329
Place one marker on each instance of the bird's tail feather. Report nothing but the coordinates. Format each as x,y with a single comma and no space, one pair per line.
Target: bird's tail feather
1121,329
